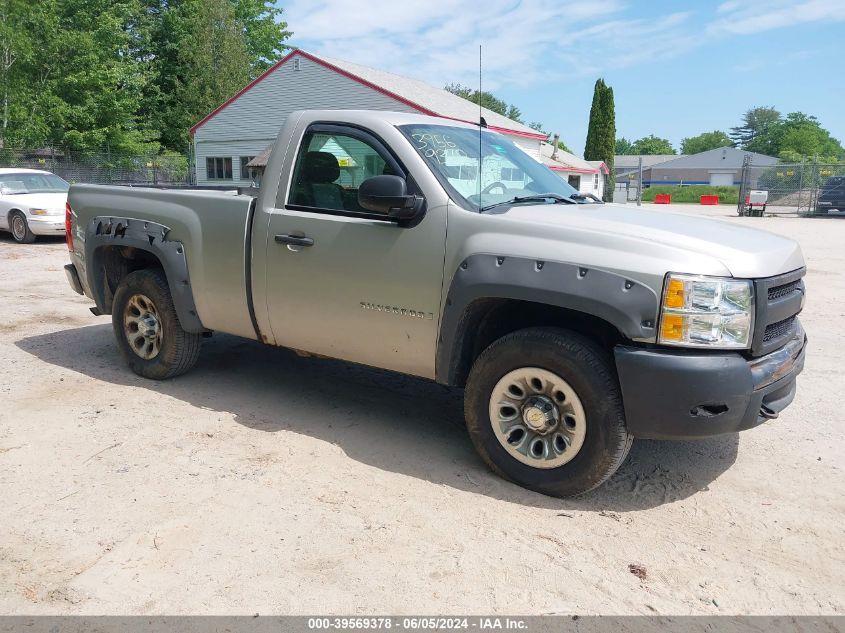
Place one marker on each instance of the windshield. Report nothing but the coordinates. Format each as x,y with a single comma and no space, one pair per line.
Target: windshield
507,172
32,183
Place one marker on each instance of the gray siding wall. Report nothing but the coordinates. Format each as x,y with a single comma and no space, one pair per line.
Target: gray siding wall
250,123
658,175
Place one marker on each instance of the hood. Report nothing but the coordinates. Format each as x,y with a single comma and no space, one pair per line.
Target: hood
745,252
50,201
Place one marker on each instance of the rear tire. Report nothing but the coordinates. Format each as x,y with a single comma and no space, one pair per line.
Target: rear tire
534,372
19,228
148,332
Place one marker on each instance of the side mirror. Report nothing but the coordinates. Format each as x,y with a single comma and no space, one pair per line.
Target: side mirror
389,196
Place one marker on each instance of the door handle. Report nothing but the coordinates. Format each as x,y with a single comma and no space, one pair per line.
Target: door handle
294,240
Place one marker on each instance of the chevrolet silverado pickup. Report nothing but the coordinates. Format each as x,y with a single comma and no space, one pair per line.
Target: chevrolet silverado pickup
442,250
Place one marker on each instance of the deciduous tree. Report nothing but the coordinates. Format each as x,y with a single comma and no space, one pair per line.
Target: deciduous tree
754,133
705,141
624,146
124,74
651,145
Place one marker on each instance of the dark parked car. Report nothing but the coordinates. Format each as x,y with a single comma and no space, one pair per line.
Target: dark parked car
832,195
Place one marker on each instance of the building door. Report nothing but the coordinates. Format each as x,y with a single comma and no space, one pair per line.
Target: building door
363,289
722,180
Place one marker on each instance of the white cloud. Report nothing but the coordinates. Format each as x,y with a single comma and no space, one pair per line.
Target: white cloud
525,42
533,43
756,16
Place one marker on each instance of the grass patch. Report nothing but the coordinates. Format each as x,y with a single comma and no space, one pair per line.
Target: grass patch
693,193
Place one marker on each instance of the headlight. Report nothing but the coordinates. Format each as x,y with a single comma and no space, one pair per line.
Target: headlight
706,312
38,211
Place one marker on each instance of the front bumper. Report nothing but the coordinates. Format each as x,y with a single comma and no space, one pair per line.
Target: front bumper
687,394
46,224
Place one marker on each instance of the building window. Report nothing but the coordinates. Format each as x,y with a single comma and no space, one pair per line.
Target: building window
218,168
244,169
468,172
596,182
461,172
574,181
513,174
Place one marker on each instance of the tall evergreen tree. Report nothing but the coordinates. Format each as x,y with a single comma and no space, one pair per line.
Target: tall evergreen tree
609,141
591,146
601,132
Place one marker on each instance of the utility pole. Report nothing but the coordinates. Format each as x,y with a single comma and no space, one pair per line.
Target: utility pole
640,182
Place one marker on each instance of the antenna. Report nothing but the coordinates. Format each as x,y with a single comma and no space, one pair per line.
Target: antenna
481,123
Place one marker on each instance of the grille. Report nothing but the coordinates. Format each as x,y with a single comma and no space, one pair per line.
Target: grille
778,301
781,291
776,330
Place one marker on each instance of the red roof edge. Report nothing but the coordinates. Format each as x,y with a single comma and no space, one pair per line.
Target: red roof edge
504,130
575,170
360,80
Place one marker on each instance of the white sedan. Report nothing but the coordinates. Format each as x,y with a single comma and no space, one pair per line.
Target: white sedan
32,202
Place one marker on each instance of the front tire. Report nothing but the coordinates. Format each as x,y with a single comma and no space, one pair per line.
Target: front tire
544,409
148,332
19,227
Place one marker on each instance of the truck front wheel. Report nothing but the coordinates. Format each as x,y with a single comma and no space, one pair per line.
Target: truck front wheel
544,409
146,326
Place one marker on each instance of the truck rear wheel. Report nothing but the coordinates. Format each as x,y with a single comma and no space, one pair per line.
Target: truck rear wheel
146,326
544,409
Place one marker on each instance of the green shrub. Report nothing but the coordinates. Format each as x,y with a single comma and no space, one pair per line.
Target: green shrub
693,193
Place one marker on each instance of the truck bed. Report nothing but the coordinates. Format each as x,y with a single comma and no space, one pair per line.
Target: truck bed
212,225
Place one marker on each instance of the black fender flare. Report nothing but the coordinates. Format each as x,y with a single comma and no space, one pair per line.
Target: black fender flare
150,237
627,305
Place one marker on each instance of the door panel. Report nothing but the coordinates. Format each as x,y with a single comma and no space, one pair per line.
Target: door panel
342,283
366,291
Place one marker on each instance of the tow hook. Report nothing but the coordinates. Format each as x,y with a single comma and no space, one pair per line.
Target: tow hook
768,413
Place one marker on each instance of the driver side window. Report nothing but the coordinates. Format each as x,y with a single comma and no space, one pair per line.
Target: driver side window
329,169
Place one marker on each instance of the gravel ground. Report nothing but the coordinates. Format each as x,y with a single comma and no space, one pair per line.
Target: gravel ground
264,482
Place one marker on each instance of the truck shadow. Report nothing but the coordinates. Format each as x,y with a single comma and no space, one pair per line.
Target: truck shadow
388,421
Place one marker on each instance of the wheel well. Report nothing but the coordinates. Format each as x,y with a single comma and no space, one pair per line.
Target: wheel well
111,264
487,320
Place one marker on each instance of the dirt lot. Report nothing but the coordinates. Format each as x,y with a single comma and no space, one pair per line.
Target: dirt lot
264,482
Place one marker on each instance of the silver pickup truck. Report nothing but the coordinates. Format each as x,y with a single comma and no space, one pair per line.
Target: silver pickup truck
442,250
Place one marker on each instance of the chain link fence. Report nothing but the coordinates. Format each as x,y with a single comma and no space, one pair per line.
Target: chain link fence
103,167
808,188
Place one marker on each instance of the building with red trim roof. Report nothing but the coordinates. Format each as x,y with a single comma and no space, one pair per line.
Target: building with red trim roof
237,131
587,176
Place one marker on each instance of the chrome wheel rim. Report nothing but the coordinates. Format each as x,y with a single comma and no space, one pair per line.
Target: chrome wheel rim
142,326
18,227
537,417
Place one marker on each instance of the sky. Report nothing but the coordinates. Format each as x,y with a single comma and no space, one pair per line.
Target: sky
677,68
